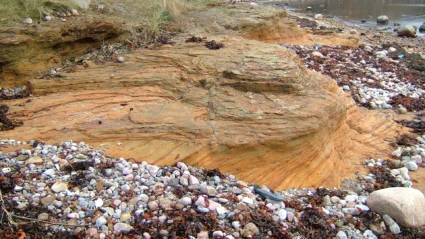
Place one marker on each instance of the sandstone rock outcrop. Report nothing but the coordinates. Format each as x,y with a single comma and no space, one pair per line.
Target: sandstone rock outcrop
404,205
250,109
266,24
33,49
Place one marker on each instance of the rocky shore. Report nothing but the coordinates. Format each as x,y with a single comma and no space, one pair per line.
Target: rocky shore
72,190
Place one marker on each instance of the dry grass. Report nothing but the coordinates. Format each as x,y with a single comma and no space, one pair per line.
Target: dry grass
146,21
17,10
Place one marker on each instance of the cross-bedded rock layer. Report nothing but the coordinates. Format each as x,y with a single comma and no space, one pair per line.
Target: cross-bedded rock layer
250,109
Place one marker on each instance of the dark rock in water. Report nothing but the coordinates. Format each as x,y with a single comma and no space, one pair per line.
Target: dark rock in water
382,19
397,24
212,45
406,31
363,21
422,28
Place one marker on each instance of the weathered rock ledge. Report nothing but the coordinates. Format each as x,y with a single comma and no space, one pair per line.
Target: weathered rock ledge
31,50
250,109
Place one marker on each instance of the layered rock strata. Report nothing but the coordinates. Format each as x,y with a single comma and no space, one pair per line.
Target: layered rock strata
250,109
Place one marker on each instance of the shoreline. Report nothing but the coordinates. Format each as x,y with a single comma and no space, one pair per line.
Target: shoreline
70,188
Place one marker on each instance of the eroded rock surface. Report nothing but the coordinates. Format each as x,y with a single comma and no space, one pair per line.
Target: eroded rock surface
250,109
31,50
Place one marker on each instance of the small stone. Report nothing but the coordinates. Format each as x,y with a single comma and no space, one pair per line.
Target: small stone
6,170
219,234
98,202
221,210
165,203
202,235
193,180
185,201
125,187
236,224
49,199
250,230
73,215
417,159
43,216
351,198
59,187
364,208
394,228
120,59
317,54
184,181
125,217
47,18
202,209
17,188
122,228
350,204
129,177
327,200
351,211
27,21
34,160
74,12
146,235
22,205
127,171
153,205
153,170
341,235
290,216
247,200
404,172
368,234
58,204
282,214
335,199
411,166
210,191
100,221
398,151
382,19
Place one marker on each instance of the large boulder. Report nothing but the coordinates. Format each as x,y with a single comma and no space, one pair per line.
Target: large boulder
382,19
404,205
406,31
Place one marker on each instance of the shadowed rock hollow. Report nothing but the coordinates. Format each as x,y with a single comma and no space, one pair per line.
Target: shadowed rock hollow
250,109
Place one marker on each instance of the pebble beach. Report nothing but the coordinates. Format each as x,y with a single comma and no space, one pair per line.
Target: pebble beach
73,190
